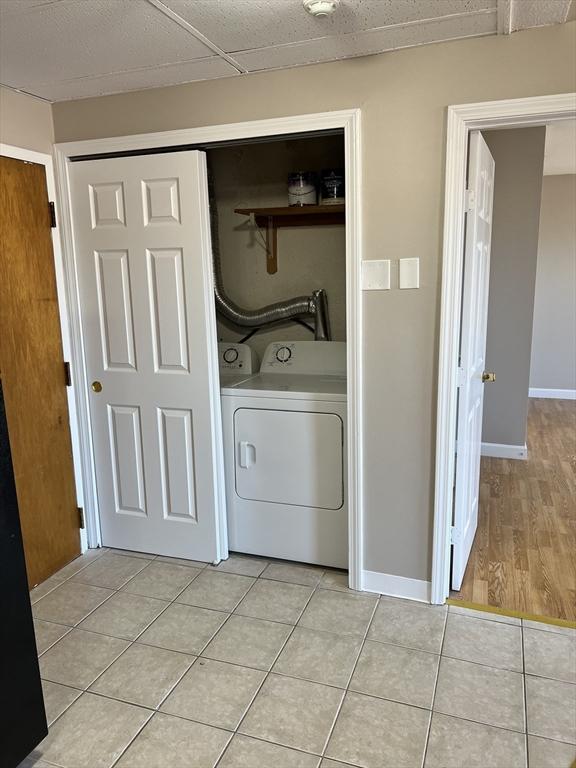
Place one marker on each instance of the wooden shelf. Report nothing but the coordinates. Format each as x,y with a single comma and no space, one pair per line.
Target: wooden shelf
290,216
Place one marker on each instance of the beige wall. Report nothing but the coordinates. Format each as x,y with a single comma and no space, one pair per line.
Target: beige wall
403,96
308,257
553,364
25,121
519,158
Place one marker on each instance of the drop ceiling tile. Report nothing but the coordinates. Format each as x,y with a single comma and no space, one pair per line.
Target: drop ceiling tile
369,42
249,24
8,7
117,82
68,39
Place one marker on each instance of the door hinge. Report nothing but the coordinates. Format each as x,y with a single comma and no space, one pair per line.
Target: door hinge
81,517
67,374
469,200
454,535
52,208
459,376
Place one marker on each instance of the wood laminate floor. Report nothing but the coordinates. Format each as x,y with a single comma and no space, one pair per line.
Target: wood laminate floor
524,554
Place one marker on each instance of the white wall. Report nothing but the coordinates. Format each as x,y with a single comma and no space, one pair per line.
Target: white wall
308,257
25,121
553,364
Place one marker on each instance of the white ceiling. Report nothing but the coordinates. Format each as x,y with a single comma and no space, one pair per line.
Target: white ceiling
72,49
560,148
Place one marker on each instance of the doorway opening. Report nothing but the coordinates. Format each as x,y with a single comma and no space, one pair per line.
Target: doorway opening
512,497
279,245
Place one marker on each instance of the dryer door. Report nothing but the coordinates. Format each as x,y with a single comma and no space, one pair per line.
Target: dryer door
289,457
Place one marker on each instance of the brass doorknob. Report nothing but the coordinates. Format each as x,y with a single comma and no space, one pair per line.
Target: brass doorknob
488,376
96,386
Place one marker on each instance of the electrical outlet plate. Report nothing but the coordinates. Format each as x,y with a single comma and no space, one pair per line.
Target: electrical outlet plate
376,275
409,275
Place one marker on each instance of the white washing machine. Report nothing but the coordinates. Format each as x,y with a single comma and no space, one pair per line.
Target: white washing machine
236,362
285,445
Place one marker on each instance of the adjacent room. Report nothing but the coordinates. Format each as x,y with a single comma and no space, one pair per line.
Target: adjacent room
287,381
522,553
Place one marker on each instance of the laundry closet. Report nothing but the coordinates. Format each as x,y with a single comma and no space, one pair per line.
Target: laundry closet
212,284
277,212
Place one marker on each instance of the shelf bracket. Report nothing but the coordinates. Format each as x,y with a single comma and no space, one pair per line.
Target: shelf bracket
271,246
271,219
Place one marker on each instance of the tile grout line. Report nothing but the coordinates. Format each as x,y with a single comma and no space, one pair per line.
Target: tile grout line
134,641
68,630
113,590
317,587
67,578
347,689
524,698
198,656
269,671
131,643
427,740
132,740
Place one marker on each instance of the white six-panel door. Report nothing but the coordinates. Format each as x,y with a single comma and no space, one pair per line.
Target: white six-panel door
142,243
472,352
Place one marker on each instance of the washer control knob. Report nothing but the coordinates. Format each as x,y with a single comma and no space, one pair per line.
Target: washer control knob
283,354
230,355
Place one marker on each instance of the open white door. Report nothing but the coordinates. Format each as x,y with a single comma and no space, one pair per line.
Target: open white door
143,251
472,352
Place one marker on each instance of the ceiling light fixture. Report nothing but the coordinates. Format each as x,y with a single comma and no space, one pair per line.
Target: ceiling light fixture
320,8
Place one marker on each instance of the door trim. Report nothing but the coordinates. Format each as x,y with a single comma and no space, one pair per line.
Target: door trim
461,119
66,325
349,120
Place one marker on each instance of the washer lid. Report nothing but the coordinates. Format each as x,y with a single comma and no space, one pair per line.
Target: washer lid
292,386
232,379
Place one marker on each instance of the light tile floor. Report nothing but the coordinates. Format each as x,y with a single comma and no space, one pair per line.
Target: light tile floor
152,663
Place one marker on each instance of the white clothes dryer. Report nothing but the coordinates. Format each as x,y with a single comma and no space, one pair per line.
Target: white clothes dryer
285,444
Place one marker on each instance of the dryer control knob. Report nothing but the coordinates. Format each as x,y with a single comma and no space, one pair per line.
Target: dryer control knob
283,354
230,355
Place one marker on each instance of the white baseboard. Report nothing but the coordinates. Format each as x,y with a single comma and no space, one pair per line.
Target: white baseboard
503,451
396,586
554,394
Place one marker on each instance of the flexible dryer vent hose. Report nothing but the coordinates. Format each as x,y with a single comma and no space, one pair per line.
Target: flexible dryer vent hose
315,306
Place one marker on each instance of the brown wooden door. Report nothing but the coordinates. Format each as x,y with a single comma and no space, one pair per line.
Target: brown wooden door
32,369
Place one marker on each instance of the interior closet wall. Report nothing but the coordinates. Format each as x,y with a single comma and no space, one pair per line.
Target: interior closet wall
308,257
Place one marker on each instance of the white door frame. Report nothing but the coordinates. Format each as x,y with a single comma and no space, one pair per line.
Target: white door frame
40,158
349,121
462,119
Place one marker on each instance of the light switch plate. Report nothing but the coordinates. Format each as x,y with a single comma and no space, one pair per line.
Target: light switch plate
409,273
376,275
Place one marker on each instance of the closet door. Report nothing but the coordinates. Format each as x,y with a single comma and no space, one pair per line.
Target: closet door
32,370
142,242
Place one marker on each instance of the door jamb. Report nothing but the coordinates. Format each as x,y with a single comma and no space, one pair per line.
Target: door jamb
349,120
462,119
40,158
